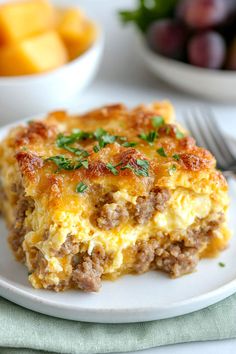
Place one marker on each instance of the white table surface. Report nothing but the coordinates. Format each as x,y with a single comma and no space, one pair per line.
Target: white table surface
123,78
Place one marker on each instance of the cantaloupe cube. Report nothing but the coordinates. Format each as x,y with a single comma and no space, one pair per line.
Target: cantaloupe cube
77,32
22,19
35,55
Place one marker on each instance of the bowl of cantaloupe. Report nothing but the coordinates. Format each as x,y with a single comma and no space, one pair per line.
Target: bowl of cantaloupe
48,55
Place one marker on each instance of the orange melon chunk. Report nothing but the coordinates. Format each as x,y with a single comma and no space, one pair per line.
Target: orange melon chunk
34,55
77,32
20,20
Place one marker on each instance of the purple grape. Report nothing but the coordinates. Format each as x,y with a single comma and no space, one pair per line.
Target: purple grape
203,14
231,62
181,9
167,37
207,50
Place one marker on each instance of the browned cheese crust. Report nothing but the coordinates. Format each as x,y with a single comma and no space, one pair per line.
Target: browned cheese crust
85,203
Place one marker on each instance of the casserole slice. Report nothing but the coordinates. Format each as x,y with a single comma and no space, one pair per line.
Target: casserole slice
107,193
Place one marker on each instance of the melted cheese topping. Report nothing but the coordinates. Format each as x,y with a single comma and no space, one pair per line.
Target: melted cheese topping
197,190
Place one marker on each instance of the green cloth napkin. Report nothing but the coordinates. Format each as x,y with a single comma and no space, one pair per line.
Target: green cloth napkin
26,332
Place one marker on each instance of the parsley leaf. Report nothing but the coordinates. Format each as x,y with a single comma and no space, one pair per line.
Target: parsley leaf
96,148
131,144
157,121
63,141
150,137
167,129
179,134
62,162
99,133
103,137
221,264
112,168
81,187
75,136
106,139
161,152
142,171
84,163
121,138
65,163
76,151
172,170
176,157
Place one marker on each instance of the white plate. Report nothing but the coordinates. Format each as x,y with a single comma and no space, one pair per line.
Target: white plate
145,297
216,85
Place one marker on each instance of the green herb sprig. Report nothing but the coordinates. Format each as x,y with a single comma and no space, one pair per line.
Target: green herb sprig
65,163
81,187
141,169
172,170
149,137
148,11
157,121
161,152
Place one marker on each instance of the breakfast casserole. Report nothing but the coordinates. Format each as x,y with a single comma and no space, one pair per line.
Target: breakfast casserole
110,192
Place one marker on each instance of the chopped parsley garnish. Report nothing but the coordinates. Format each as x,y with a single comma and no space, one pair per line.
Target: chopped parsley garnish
176,157
149,137
81,187
75,136
65,163
84,163
161,152
157,121
172,170
221,264
131,144
106,139
64,142
140,170
99,132
96,149
179,134
76,151
122,138
167,129
112,168
103,137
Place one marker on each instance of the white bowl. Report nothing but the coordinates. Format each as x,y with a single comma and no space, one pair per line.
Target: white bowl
211,84
22,96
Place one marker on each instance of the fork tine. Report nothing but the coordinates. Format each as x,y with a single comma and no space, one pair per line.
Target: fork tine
218,137
197,127
212,146
196,130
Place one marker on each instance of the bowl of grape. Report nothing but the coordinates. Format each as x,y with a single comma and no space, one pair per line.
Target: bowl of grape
191,44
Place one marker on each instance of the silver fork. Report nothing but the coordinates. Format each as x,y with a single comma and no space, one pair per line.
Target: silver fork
204,128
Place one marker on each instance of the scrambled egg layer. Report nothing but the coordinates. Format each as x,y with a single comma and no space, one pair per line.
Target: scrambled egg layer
198,191
184,208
